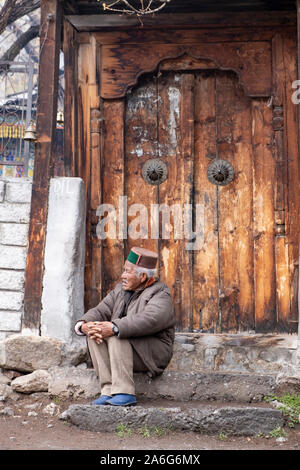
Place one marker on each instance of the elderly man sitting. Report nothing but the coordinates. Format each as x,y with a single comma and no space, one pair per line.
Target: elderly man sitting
131,330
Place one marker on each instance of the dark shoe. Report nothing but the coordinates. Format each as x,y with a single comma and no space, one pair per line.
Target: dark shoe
101,400
122,399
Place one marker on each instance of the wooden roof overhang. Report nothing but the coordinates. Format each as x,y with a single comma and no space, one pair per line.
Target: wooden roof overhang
86,16
90,7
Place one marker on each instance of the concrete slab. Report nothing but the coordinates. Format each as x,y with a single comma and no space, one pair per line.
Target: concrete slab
63,281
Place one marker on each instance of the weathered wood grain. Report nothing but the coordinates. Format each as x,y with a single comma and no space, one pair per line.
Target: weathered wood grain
199,20
293,177
140,146
112,176
44,160
178,113
206,262
283,284
70,105
187,163
263,217
170,192
88,164
235,206
123,64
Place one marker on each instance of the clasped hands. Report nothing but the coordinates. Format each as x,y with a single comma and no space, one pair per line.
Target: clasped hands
97,330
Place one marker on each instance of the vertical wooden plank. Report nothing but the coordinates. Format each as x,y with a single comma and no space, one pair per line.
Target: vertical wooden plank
85,65
263,216
79,162
88,164
140,146
175,139
187,162
235,206
112,175
283,284
206,265
95,274
170,192
70,72
85,77
96,125
50,35
293,187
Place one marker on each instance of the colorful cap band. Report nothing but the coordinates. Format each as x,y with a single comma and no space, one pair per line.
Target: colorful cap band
133,257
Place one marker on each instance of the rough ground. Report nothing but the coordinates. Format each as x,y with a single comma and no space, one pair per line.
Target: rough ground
25,425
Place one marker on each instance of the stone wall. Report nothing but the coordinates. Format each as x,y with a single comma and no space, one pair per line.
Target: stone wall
63,280
15,197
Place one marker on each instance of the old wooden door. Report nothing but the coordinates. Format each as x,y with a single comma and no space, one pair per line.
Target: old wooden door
187,120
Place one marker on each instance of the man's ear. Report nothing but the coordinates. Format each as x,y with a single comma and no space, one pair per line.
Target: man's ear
144,277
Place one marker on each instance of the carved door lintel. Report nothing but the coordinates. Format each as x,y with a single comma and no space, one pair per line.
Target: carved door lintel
122,65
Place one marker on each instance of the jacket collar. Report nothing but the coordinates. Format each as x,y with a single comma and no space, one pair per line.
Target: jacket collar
136,293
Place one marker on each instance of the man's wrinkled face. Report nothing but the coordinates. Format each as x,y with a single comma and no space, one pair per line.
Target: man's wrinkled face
130,279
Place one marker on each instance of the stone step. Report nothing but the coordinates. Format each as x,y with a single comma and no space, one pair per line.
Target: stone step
213,386
81,382
235,420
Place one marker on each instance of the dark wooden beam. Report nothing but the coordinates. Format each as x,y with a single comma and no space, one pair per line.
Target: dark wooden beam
88,7
298,59
298,195
72,6
50,41
70,98
220,20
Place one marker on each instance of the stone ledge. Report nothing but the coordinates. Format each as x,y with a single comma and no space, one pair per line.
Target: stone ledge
29,353
75,382
246,353
238,421
216,386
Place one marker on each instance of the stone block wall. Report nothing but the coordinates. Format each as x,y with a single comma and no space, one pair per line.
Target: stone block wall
63,280
15,198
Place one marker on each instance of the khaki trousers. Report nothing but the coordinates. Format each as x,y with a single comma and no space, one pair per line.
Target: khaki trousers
113,363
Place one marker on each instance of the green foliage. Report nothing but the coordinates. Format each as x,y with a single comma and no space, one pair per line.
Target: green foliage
290,407
278,432
124,431
145,431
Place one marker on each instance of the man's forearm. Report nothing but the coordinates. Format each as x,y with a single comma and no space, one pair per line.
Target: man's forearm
95,330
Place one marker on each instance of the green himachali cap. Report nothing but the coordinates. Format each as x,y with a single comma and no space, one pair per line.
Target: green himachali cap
142,257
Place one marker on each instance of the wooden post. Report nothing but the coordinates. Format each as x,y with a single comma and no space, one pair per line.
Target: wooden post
298,64
70,99
50,39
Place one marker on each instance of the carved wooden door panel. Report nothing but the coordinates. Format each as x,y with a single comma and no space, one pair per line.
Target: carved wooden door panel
220,263
188,120
187,99
226,281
